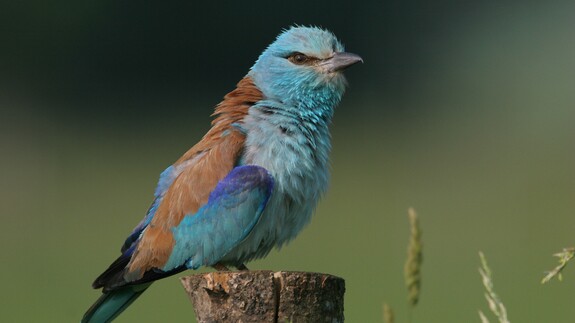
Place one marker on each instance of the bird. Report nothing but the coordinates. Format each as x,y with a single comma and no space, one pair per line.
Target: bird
251,183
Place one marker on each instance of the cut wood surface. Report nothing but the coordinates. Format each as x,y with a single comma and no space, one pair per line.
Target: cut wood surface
266,296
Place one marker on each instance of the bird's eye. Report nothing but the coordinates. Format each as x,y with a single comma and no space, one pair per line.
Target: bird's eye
298,58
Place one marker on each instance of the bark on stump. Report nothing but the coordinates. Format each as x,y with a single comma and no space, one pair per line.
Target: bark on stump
266,296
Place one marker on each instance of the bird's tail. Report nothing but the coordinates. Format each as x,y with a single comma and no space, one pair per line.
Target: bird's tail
112,303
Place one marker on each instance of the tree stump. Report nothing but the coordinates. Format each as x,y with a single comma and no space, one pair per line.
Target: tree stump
266,296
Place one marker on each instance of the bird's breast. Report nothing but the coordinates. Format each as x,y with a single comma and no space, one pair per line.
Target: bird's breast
296,155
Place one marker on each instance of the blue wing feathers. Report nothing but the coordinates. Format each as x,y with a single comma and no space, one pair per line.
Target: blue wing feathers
232,210
202,238
166,179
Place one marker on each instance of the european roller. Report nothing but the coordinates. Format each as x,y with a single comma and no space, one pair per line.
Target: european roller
251,183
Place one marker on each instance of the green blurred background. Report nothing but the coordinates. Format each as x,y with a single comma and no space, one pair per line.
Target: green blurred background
463,110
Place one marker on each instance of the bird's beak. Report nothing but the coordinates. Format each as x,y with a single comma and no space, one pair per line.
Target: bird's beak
340,61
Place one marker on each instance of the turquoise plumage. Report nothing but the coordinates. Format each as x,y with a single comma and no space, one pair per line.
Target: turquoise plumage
251,183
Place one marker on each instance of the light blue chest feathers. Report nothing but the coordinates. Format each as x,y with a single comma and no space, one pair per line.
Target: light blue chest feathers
294,148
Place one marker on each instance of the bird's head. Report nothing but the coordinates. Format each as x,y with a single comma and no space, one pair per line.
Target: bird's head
303,68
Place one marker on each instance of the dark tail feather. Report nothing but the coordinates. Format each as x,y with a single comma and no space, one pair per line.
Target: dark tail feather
115,272
112,303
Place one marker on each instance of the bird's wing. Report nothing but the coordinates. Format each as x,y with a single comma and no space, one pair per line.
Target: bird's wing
184,188
204,237
232,210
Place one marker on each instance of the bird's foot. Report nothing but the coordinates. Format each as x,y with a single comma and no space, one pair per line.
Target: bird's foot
242,267
219,267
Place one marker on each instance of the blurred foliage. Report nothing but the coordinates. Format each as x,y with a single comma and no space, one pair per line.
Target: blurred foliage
464,109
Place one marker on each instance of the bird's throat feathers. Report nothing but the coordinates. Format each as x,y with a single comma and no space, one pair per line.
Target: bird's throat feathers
307,85
302,92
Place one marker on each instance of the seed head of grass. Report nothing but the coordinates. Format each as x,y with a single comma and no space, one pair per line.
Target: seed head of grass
495,304
564,257
387,314
412,269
